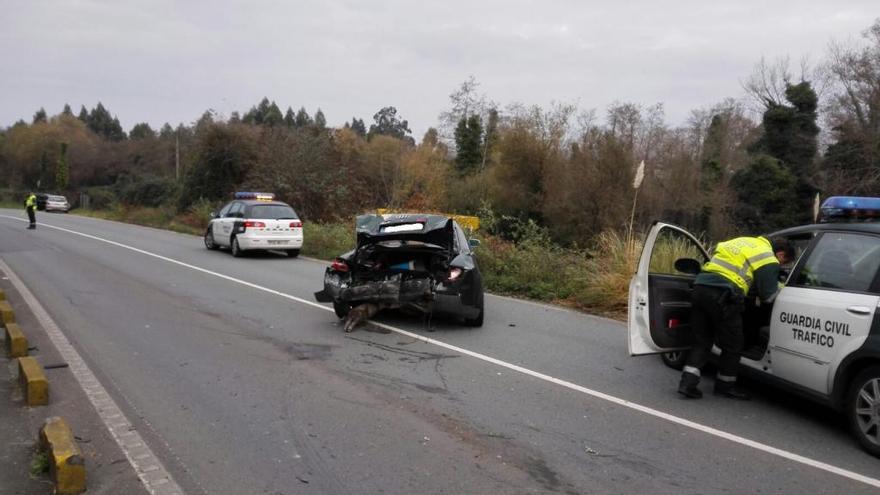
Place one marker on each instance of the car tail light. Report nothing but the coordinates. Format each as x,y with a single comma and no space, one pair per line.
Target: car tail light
254,225
296,224
454,273
339,265
673,322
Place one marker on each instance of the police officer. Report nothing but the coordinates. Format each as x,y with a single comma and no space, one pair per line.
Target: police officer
737,266
30,205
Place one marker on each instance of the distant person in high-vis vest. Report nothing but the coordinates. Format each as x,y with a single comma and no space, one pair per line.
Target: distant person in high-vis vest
737,267
30,205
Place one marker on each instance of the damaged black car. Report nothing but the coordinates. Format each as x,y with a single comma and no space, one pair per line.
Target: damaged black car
414,262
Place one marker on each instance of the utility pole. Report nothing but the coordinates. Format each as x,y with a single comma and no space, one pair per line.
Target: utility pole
177,154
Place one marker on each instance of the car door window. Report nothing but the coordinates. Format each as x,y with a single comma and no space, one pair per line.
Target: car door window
236,210
841,261
225,210
672,245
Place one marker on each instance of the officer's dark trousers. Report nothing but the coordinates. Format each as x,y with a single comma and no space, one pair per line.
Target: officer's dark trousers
716,317
32,217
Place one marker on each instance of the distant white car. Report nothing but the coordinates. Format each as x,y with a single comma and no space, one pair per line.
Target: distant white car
57,203
252,222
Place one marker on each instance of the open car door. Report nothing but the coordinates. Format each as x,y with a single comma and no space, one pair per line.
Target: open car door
660,291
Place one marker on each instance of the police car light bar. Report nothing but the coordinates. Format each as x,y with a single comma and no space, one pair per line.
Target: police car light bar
260,196
849,208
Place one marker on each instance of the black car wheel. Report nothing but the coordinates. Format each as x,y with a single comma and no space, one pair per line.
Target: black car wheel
341,309
209,240
477,321
863,409
293,253
236,249
675,359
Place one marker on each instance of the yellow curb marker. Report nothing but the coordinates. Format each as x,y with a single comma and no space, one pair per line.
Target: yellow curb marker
16,342
36,387
6,312
66,463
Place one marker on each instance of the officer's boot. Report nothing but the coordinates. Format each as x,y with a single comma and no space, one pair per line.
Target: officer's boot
688,386
730,390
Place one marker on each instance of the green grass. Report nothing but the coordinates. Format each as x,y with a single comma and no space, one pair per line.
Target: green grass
327,241
193,222
39,464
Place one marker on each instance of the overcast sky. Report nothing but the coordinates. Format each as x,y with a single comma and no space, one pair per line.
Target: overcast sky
168,61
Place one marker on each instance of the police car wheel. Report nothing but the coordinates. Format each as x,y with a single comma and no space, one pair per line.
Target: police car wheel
863,409
209,240
293,253
675,359
236,249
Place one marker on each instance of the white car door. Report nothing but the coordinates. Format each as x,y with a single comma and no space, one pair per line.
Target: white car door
660,291
223,225
826,310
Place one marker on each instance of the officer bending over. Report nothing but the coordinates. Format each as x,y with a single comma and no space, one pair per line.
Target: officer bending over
737,266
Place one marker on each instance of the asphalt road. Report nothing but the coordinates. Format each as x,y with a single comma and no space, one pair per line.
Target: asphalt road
241,386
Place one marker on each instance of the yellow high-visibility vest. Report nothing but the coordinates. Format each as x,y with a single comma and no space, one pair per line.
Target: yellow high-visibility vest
737,259
31,201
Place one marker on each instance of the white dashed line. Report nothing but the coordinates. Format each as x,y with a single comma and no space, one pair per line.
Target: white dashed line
541,376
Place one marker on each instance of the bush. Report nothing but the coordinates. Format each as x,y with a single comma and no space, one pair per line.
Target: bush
610,265
329,240
532,265
147,191
101,198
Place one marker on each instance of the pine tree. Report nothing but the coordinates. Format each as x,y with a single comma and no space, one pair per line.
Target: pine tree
40,116
358,126
468,144
302,118
289,118
273,115
142,131
320,120
67,111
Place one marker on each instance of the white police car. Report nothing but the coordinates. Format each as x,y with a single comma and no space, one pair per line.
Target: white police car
255,221
820,337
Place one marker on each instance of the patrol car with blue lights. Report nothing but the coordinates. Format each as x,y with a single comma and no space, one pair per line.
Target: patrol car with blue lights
254,221
821,335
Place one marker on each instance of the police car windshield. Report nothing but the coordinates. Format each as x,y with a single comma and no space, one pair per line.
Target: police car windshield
273,212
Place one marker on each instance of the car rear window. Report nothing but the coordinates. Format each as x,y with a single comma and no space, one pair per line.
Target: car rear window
57,198
271,212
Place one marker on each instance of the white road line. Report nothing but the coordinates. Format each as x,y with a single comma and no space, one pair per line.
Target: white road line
541,376
107,409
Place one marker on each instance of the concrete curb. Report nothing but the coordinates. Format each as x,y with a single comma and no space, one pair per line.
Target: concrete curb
33,381
66,462
16,343
6,313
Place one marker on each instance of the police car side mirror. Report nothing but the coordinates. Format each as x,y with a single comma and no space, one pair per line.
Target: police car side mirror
689,266
474,243
213,214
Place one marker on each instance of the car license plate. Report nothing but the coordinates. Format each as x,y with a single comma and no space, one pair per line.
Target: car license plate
277,242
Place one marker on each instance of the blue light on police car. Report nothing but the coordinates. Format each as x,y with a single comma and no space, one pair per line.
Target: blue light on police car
837,208
260,196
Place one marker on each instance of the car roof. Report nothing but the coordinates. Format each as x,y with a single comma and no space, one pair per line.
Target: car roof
862,227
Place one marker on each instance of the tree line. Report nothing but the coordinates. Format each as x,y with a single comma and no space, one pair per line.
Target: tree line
729,169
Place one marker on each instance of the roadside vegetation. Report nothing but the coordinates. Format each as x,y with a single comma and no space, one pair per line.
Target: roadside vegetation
560,190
